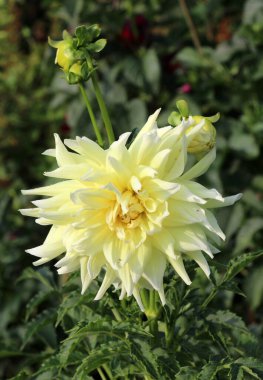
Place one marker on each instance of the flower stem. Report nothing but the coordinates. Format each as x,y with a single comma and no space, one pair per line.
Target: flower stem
91,114
191,26
102,105
103,377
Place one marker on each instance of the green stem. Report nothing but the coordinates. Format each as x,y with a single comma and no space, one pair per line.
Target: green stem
102,105
91,114
191,26
115,312
107,370
103,377
209,298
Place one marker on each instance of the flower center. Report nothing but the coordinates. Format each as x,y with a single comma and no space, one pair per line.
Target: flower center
125,214
130,208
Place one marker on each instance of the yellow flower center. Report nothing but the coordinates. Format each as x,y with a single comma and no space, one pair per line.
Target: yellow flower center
129,209
125,213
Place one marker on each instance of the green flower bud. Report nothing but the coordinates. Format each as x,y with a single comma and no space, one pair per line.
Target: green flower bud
75,54
65,53
205,139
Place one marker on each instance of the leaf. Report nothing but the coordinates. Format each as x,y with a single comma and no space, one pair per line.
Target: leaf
97,46
142,353
254,287
43,275
238,263
151,69
235,220
227,319
246,144
209,371
183,107
100,356
23,375
34,326
247,232
112,328
40,297
251,363
251,373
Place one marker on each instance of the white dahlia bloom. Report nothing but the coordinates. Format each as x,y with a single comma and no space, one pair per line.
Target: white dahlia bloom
128,211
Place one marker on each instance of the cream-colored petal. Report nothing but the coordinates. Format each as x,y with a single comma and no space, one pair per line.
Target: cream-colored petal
199,258
178,266
227,201
63,156
109,278
201,166
154,270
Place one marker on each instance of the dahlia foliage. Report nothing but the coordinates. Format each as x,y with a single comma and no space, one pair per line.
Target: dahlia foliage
130,210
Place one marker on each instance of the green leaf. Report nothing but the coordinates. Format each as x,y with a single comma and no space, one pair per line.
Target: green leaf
183,107
39,298
34,326
238,263
246,144
100,356
235,220
43,275
247,232
151,69
251,363
97,46
227,319
209,371
23,375
112,328
174,119
254,287
190,57
143,354
85,35
213,118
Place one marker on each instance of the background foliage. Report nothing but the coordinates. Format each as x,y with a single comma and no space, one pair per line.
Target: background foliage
151,60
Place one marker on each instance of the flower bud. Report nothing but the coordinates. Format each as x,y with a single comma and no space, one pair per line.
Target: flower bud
205,138
65,54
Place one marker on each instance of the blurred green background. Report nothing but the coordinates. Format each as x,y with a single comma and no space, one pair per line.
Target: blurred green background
152,59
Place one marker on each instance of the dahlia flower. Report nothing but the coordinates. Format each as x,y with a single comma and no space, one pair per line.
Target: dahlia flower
128,211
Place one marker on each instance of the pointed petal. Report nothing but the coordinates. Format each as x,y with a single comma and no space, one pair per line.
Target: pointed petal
178,266
201,166
199,258
227,201
109,278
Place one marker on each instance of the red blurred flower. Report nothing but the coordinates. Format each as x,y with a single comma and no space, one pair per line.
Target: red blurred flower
135,32
185,88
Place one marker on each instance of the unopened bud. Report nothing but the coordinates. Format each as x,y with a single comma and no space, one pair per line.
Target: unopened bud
205,138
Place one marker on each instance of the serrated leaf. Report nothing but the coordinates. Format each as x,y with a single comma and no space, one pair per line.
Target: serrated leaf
34,326
142,353
37,300
100,356
43,275
66,350
251,373
209,371
49,364
112,328
227,319
251,363
238,263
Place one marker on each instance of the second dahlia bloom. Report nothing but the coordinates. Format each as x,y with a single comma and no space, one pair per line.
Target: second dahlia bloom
128,211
